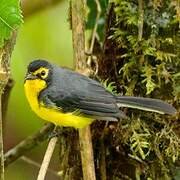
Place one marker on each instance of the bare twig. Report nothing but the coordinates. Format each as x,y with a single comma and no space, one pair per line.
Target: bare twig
87,153
47,158
6,85
5,97
28,144
141,20
78,28
5,54
94,31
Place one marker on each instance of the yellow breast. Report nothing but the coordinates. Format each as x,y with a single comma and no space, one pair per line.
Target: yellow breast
32,89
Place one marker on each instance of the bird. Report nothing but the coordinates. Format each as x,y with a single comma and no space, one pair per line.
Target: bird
69,99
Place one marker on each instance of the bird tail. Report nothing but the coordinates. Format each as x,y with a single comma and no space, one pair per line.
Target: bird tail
146,104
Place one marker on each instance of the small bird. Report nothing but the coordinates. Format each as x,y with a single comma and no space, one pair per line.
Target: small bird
67,98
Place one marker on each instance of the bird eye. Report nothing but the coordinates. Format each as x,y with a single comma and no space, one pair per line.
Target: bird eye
43,73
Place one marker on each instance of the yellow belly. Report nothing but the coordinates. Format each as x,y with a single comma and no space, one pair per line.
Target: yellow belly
62,119
58,118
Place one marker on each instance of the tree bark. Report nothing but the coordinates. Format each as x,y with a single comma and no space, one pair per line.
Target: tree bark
78,15
5,54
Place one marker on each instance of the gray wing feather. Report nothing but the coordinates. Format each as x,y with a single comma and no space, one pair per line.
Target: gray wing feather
74,92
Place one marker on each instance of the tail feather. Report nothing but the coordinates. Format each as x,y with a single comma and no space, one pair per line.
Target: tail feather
147,104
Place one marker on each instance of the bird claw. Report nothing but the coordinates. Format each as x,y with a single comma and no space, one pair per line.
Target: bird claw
60,131
56,133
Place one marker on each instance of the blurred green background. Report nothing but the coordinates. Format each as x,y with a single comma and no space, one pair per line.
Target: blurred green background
45,35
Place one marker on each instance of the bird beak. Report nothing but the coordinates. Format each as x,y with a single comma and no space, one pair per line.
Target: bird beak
30,77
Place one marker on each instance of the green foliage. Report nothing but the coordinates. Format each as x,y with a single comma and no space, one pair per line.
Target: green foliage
176,85
92,13
10,18
111,87
148,73
139,141
150,56
170,142
149,64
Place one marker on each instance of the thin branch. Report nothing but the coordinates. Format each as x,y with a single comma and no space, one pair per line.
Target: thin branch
28,144
94,31
87,153
47,158
5,98
153,28
141,20
5,88
5,55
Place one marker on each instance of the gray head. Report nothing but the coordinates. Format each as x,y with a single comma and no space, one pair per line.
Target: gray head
39,69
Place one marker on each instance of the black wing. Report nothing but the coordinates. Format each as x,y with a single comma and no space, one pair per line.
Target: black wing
79,94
